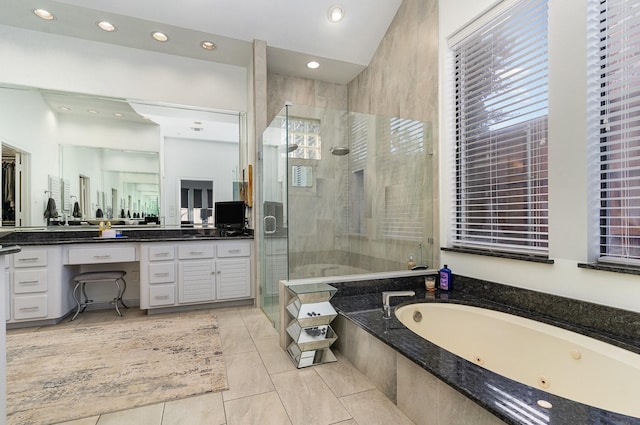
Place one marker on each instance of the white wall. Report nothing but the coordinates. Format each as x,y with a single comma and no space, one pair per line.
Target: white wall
63,63
197,160
29,125
569,208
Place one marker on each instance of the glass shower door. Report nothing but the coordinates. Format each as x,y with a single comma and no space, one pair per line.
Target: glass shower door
272,229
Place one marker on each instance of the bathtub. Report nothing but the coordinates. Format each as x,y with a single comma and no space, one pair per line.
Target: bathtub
552,359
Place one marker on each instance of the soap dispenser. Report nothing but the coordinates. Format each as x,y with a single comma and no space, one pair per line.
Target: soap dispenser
411,263
446,280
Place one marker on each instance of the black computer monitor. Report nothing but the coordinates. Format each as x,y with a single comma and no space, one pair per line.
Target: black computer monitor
229,215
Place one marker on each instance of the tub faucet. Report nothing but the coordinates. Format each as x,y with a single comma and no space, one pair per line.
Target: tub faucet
386,299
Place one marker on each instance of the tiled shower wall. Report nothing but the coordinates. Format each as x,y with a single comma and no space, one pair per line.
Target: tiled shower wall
401,81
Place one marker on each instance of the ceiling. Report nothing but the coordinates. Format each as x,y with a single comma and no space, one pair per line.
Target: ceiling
296,31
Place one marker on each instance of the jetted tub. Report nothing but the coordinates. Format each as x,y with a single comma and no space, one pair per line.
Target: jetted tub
555,360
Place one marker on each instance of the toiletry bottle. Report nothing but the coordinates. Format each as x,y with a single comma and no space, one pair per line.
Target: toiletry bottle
446,280
100,228
411,264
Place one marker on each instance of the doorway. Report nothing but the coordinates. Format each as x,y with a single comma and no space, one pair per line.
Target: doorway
15,187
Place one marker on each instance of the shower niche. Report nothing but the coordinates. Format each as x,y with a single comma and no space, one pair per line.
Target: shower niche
311,314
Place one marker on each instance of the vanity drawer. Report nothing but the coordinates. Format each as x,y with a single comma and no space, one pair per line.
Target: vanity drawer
30,258
234,250
26,281
162,295
161,253
190,251
30,307
102,255
162,273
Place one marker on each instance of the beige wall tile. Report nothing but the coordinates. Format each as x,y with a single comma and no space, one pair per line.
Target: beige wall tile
417,393
376,360
373,408
343,378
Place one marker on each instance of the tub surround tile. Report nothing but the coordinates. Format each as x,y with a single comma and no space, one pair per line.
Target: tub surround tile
361,311
343,378
372,407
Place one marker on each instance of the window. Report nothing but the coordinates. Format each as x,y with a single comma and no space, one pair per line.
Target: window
500,87
617,69
305,134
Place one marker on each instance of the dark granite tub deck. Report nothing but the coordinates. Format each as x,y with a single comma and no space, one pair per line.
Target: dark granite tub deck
361,303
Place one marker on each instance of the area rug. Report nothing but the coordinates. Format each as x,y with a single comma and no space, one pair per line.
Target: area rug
71,372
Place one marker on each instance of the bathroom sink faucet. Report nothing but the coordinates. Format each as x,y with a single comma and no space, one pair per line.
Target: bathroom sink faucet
386,298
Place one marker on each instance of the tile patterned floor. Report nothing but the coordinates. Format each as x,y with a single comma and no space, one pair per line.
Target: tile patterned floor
264,386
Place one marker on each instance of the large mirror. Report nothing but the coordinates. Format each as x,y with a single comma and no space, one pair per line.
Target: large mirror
105,157
127,183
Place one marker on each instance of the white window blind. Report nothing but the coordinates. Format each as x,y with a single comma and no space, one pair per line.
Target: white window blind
501,106
617,66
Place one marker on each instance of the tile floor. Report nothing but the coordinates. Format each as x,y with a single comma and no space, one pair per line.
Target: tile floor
264,386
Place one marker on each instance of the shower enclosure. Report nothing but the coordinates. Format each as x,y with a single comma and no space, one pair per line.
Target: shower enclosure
341,193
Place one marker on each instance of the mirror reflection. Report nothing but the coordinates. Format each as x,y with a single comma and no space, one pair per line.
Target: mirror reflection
97,157
127,184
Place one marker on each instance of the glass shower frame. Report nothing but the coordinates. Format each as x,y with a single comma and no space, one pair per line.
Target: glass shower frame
358,198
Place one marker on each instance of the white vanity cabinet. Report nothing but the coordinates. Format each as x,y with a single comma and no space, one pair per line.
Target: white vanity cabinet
39,285
197,272
158,270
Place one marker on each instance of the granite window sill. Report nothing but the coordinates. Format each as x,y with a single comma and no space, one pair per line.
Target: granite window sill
500,254
610,267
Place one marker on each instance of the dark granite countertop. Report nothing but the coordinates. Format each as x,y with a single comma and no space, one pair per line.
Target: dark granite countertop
61,237
486,388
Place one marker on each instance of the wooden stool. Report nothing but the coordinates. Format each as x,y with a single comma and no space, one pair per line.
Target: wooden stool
106,276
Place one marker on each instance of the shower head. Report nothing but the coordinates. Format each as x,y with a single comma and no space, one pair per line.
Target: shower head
339,151
292,147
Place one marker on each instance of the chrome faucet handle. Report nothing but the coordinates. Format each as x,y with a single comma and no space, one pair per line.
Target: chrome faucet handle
386,300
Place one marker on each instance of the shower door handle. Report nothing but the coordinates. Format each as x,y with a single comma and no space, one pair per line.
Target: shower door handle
270,219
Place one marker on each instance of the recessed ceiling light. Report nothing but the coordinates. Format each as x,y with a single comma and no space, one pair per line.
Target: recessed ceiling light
64,108
336,13
208,45
313,65
92,111
118,114
106,26
159,36
44,14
